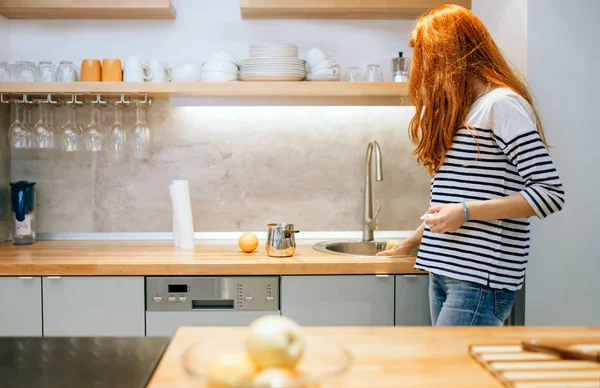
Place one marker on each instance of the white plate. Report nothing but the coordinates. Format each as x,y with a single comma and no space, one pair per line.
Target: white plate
259,78
271,73
287,45
289,68
326,77
262,60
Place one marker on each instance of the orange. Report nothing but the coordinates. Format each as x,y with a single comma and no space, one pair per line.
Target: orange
248,242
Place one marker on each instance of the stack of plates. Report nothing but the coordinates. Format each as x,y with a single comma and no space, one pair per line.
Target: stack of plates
273,62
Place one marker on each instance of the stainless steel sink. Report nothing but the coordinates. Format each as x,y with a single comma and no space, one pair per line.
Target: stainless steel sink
352,248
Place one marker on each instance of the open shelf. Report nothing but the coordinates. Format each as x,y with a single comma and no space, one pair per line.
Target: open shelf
87,9
340,9
225,89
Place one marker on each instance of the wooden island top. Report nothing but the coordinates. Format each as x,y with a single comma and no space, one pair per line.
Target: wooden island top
161,258
388,357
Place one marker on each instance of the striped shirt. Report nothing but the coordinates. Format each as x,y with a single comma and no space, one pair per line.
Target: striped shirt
501,155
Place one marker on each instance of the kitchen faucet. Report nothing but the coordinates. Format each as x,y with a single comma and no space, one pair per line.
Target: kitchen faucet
370,221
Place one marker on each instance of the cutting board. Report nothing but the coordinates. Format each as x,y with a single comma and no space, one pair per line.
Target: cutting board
553,364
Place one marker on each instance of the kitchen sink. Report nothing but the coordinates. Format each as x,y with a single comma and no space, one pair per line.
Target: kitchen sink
352,248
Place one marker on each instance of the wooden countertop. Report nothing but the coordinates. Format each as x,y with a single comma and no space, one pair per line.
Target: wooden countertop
148,258
388,356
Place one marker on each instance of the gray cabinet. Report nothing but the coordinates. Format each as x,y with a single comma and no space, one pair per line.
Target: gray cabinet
355,300
21,306
93,306
412,300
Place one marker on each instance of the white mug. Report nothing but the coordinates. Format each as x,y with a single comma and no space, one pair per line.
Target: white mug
134,70
159,71
327,70
325,64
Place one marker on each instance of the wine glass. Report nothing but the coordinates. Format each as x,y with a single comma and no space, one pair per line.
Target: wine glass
94,137
138,137
71,135
49,120
20,135
117,137
43,134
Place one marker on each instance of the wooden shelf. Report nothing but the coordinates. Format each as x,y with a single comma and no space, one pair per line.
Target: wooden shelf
87,9
340,9
226,89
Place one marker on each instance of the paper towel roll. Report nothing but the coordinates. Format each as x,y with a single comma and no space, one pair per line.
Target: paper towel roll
183,221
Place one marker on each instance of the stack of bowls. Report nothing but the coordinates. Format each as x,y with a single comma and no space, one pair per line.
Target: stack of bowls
273,62
322,67
222,66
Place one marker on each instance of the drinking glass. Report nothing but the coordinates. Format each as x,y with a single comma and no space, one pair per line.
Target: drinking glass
352,74
27,120
24,71
117,137
71,135
67,72
138,137
94,137
4,72
49,120
46,72
373,73
43,134
20,135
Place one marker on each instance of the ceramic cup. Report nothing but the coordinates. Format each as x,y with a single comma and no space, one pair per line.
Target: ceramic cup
327,70
112,71
91,70
326,64
135,70
159,71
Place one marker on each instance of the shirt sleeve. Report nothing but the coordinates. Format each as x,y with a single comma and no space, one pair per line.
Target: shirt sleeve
515,131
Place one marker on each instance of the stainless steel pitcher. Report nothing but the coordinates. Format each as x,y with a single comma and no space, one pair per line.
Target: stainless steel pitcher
280,240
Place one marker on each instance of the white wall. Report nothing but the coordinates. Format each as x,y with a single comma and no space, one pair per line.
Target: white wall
507,21
4,39
205,26
564,65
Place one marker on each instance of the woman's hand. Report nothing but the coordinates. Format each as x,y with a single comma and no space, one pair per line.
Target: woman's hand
449,218
400,249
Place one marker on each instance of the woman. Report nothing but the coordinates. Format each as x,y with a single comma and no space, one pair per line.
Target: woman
478,134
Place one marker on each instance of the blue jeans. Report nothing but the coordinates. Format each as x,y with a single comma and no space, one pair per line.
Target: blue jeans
459,303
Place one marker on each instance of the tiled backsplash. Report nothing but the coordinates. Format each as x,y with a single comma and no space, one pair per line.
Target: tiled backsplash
247,166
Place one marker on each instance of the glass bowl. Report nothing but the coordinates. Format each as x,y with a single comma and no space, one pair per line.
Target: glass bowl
323,365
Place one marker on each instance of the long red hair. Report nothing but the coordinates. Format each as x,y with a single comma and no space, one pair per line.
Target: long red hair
453,52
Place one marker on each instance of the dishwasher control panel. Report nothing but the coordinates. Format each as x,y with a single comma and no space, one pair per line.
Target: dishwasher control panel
198,293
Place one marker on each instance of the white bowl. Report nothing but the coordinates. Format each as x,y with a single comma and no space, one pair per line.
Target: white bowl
217,76
223,55
186,72
221,66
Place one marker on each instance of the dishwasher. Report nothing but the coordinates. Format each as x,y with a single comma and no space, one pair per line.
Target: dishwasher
172,302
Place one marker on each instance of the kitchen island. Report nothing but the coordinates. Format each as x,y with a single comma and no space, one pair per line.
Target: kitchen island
161,258
389,357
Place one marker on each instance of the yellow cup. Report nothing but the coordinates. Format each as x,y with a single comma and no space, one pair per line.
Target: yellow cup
91,70
112,71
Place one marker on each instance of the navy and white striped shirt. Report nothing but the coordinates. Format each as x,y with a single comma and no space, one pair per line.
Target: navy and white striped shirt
502,155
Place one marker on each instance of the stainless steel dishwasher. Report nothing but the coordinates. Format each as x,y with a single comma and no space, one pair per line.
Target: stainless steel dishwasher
172,302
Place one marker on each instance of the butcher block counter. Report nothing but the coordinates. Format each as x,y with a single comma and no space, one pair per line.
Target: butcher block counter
389,357
148,258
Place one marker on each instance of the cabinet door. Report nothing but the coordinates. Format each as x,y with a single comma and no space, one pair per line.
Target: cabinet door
166,323
21,306
412,300
94,306
339,300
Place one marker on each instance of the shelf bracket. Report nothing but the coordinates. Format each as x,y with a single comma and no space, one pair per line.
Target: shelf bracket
98,101
2,100
50,101
145,101
74,100
123,101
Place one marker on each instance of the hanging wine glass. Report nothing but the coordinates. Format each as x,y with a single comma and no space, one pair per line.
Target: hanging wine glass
20,135
43,134
94,137
71,136
117,138
138,136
